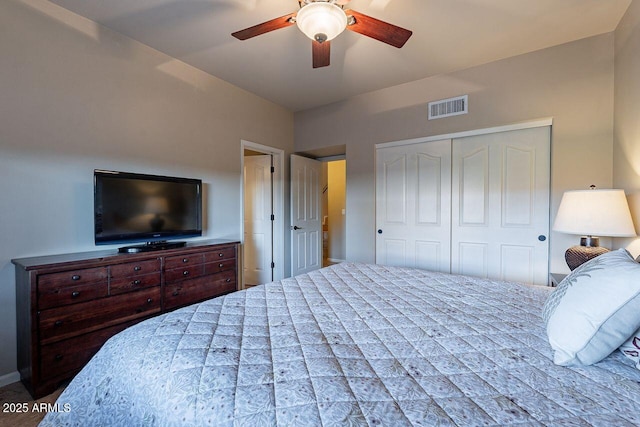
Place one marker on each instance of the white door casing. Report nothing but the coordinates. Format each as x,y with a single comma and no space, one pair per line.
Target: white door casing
413,199
306,224
500,205
258,226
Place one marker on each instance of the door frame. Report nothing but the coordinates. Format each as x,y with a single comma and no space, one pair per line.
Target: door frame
516,126
278,204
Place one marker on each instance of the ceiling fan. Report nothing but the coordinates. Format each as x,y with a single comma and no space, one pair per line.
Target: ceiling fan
323,20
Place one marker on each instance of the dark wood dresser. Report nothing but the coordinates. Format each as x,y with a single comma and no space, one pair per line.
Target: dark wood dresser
68,305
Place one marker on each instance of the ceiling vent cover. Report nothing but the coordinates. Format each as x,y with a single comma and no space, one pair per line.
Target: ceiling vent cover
449,107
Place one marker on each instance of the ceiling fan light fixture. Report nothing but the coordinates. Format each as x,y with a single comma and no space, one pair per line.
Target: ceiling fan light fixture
321,21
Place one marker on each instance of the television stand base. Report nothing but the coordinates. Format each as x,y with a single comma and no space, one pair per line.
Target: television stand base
151,246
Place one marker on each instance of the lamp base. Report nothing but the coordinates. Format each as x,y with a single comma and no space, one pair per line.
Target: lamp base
578,255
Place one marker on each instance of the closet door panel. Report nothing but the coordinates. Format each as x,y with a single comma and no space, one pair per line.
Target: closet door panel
428,194
472,259
395,189
413,215
508,211
518,192
395,251
429,255
473,179
516,263
392,206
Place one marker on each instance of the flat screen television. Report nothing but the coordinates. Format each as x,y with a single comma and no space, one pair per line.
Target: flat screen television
134,208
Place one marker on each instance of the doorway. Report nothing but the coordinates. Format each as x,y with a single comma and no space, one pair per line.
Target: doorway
263,214
318,211
334,180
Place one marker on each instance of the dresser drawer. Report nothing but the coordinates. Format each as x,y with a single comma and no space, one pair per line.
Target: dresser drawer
201,288
128,284
184,273
71,278
223,253
135,268
71,355
55,296
65,322
219,266
180,261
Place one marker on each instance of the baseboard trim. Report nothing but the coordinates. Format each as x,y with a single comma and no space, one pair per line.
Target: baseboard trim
335,260
10,378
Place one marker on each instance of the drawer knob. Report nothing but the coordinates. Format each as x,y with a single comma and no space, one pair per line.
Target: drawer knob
185,273
137,268
58,357
136,282
175,293
75,277
149,300
220,255
58,323
75,294
185,260
221,265
228,280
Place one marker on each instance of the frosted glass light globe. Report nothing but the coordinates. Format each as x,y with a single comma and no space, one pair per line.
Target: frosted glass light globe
321,21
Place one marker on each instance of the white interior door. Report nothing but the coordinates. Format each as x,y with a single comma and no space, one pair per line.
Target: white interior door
500,205
413,202
306,225
258,226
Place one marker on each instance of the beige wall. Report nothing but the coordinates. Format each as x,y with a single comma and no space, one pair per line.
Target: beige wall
626,148
572,83
75,96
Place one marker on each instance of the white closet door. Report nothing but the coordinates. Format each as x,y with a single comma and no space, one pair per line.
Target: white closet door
413,199
500,205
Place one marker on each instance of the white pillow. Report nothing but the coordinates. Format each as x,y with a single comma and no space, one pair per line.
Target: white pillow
595,309
631,348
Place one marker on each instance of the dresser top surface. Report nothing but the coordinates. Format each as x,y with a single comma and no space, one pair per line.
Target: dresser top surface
111,255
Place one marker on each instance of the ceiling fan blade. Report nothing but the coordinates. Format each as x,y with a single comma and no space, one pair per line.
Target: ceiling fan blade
321,53
379,30
265,27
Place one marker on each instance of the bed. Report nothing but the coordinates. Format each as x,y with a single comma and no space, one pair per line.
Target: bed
350,345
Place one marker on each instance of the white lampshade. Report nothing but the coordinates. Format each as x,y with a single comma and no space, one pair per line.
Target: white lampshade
595,213
321,19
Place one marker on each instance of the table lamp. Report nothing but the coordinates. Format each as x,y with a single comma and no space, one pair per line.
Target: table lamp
592,213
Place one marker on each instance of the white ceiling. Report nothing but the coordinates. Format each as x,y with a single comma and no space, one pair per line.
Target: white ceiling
448,35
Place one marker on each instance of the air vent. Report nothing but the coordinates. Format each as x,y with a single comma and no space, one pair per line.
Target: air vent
448,107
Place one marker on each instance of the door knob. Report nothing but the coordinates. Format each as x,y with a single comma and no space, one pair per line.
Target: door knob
542,237
379,231
295,227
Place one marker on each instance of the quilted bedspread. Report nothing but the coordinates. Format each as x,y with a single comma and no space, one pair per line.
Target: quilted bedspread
350,345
